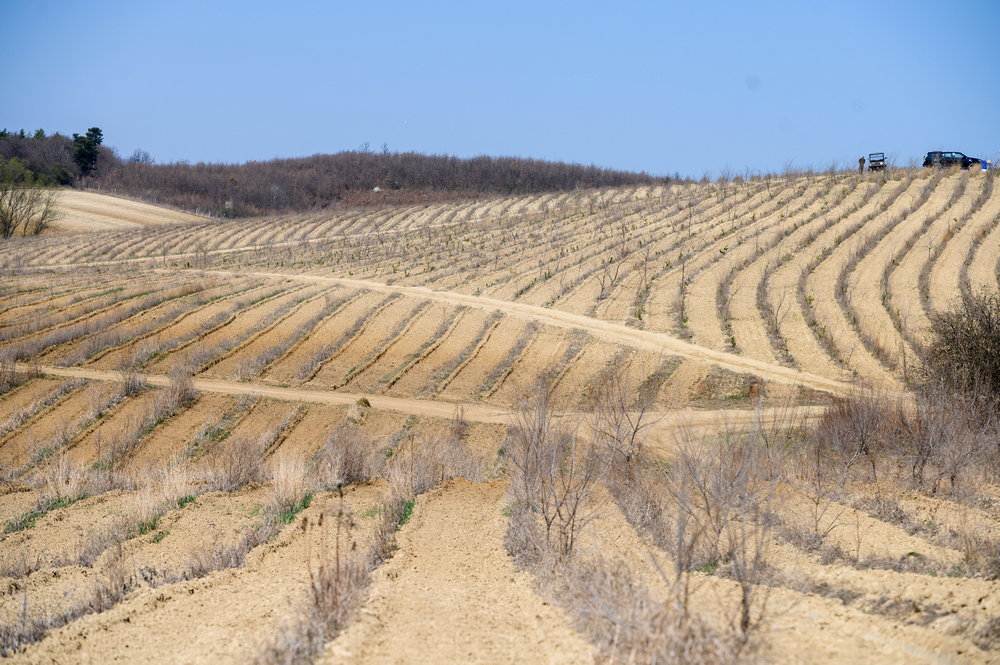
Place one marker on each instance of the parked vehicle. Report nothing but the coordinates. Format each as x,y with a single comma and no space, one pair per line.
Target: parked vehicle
876,161
946,159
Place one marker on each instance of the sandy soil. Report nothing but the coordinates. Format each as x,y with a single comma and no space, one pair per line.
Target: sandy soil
832,631
451,594
285,370
59,535
170,439
64,417
655,342
420,293
232,609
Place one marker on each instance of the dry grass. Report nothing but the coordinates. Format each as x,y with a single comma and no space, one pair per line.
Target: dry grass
347,456
131,381
112,585
706,507
18,418
338,575
238,462
165,404
288,483
10,377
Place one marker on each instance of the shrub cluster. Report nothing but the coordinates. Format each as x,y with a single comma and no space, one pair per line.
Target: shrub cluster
964,350
254,188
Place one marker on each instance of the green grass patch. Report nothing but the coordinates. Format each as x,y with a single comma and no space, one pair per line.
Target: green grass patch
160,535
286,516
406,511
27,520
145,526
185,500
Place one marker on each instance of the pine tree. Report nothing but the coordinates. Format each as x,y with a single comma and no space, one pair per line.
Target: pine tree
85,150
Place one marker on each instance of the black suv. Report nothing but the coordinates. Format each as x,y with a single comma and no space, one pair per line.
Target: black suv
944,159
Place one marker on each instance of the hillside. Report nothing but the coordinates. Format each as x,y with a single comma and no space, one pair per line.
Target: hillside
199,422
91,211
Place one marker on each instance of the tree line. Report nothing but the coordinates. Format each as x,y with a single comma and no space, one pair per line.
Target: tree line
56,159
356,177
31,169
359,177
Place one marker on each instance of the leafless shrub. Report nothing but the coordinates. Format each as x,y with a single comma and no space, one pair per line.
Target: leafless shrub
625,621
427,461
945,433
615,610
709,505
112,585
964,349
553,473
620,418
820,478
180,391
884,508
347,456
10,377
980,554
855,428
709,498
238,462
347,179
131,381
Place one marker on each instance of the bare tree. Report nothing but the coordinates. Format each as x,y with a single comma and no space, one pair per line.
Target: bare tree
621,415
26,208
554,472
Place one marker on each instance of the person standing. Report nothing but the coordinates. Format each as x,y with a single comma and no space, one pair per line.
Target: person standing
861,164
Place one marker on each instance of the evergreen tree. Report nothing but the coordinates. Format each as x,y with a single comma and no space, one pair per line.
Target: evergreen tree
85,150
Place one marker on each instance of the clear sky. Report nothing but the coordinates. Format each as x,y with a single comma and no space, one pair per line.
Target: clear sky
693,87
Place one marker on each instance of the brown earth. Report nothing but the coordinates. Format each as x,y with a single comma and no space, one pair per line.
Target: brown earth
452,595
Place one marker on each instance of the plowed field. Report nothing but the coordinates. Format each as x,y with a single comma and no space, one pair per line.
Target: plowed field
200,424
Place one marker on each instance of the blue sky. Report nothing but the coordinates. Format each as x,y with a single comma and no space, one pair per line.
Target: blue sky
662,87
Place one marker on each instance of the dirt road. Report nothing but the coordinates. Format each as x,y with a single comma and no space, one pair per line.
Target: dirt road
451,594
655,342
662,425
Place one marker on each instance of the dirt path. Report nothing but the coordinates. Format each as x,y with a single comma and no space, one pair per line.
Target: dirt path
616,332
451,594
663,424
